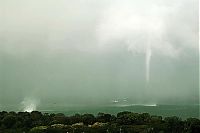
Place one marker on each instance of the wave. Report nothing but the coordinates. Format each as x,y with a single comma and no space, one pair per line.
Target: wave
129,105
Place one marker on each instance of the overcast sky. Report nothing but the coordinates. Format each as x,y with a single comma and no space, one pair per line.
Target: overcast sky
73,51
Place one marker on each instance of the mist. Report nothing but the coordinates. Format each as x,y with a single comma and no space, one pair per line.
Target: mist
89,52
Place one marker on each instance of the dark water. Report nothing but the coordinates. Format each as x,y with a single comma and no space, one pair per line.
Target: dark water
183,111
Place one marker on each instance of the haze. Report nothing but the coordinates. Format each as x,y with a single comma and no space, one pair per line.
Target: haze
90,52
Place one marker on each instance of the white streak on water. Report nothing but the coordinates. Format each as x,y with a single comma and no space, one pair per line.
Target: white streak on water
29,104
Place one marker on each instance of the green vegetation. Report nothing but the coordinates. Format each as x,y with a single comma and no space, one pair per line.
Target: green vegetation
124,122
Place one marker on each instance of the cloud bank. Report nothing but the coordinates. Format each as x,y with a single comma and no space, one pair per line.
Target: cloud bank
108,48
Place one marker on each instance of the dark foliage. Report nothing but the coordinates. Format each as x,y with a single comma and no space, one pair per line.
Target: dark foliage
123,122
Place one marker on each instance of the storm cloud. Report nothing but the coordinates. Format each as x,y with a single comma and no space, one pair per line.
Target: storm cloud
72,51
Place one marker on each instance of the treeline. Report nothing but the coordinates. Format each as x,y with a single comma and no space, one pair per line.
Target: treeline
123,122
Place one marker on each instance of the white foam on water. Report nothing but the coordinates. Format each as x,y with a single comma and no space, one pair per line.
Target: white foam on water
29,104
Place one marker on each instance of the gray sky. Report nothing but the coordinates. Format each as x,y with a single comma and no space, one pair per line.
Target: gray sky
73,51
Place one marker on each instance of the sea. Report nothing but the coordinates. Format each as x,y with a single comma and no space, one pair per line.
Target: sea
182,111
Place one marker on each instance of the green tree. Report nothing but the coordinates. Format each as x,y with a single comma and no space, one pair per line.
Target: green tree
88,119
174,124
8,121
